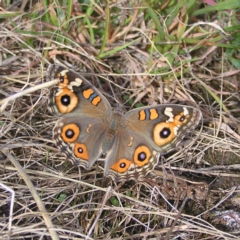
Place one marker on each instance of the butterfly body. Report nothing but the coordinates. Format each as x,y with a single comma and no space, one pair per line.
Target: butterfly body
131,142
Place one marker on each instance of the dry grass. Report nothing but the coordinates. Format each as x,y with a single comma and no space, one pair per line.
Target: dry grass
151,53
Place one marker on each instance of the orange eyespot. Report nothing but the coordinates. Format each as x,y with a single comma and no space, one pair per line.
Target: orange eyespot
70,133
63,80
121,166
80,151
66,101
181,119
164,132
142,155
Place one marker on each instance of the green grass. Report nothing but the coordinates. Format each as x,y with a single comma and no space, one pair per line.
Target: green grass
150,52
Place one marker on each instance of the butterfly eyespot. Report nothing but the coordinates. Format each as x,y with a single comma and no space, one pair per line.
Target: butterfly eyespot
66,101
70,132
164,133
182,119
63,79
80,151
121,166
142,155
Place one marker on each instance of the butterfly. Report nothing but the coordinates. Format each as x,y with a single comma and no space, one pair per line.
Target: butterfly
132,142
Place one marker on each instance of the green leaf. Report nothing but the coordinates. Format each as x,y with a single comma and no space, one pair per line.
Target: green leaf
114,201
226,5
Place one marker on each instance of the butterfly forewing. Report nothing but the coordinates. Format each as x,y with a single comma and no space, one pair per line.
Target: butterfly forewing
163,126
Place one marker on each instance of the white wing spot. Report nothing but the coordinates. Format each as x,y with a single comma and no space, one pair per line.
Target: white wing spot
185,111
131,167
60,124
175,130
63,72
77,82
168,112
